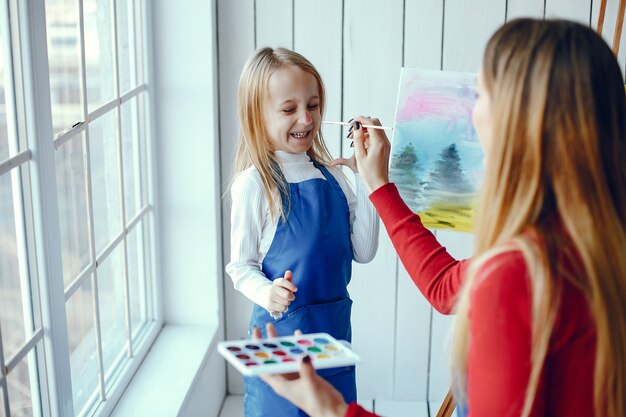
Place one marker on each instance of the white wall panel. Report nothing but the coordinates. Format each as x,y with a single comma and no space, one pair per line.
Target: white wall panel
324,49
235,45
412,342
372,61
524,8
467,27
423,24
579,10
274,23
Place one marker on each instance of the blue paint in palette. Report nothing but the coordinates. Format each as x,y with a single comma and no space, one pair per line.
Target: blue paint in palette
281,354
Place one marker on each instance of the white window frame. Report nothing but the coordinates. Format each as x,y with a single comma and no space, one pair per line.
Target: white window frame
43,276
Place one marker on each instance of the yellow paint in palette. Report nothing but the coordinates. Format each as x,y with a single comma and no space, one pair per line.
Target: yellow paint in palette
281,354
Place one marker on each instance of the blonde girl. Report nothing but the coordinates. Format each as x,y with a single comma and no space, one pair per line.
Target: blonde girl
296,223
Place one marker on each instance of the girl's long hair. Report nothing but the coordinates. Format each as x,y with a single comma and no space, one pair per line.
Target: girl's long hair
555,189
254,148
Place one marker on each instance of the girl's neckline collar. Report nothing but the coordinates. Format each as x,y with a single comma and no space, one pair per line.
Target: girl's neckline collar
287,157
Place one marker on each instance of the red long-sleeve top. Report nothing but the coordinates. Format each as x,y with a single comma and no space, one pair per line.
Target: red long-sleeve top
500,323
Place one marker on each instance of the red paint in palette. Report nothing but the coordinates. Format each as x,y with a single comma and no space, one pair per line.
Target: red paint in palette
305,342
279,353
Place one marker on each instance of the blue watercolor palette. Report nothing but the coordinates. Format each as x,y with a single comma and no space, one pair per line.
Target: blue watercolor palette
279,355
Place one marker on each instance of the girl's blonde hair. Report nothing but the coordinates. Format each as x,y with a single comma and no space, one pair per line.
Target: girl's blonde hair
254,146
556,173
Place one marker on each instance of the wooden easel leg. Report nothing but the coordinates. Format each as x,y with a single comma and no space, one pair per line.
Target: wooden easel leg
617,37
447,407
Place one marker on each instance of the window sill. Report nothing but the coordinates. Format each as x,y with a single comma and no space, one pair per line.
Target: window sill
163,381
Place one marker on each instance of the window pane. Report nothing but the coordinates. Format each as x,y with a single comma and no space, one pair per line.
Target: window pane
139,39
105,180
142,101
2,414
98,52
64,63
20,395
82,343
131,154
137,276
11,307
126,50
72,208
4,134
111,302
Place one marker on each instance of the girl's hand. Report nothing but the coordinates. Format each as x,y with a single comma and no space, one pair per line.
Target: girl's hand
281,293
305,389
371,149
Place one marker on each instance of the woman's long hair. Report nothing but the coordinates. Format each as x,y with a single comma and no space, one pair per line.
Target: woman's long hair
254,148
556,172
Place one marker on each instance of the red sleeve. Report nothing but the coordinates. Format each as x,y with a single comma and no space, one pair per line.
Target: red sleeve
355,410
437,274
500,337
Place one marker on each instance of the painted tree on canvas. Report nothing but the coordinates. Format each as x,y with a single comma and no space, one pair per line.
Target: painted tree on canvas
448,173
404,170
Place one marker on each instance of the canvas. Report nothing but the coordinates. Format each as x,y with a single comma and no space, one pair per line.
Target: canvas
436,161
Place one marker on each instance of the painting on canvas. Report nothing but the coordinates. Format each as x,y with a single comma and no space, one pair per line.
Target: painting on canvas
436,158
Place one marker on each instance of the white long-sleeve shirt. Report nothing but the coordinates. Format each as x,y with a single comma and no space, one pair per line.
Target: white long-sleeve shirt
253,230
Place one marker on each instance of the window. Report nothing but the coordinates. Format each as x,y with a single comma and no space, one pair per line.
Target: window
97,241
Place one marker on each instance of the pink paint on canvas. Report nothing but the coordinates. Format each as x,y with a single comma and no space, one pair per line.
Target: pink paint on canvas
425,104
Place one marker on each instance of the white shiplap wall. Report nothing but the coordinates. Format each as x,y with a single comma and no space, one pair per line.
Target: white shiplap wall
359,47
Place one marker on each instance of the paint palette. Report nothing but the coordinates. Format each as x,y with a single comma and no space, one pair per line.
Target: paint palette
279,355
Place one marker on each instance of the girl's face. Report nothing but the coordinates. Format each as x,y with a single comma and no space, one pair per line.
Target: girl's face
292,112
482,115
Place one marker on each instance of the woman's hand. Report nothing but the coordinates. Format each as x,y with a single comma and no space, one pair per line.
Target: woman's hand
305,389
371,150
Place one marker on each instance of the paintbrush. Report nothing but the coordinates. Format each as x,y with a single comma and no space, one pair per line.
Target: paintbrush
350,124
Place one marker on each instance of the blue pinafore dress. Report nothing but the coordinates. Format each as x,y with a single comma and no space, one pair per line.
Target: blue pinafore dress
314,243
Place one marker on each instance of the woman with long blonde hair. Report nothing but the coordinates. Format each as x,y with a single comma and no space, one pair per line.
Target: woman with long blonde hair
296,224
541,306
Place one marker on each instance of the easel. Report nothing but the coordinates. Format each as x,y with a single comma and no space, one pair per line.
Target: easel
617,36
448,406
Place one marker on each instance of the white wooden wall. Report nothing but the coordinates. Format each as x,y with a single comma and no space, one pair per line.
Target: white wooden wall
359,47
